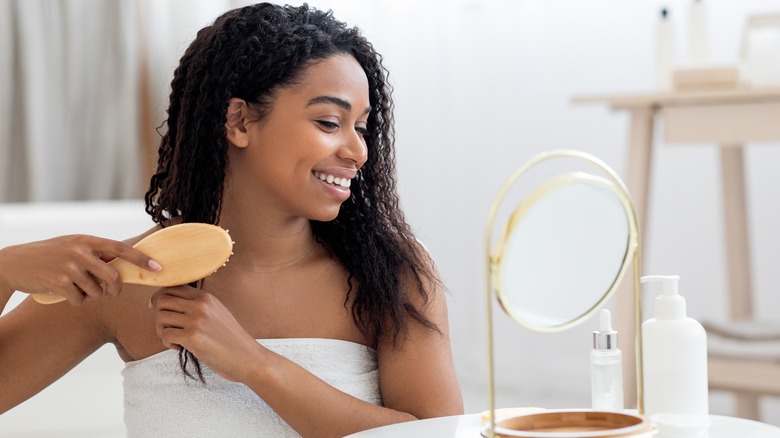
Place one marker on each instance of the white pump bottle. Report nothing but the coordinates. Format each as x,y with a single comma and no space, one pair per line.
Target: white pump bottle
674,355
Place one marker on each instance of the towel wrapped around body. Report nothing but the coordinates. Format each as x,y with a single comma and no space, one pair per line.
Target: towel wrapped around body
160,402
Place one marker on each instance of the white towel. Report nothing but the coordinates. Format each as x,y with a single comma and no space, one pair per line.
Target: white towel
160,402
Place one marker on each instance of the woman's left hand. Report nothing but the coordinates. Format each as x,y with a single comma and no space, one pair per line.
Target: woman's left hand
199,322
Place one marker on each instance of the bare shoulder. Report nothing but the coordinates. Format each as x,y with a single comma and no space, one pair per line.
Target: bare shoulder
423,287
417,372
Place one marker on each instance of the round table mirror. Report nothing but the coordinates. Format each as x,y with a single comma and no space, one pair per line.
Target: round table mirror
562,252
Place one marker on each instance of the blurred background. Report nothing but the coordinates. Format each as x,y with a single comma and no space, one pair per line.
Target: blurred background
480,87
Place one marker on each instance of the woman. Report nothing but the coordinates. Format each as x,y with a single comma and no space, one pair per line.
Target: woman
329,318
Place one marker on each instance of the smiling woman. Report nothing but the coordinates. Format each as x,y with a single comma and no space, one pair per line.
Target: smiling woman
330,318
311,136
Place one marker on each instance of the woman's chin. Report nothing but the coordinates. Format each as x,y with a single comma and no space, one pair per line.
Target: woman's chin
325,215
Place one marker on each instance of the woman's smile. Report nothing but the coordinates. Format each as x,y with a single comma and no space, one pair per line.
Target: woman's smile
334,185
330,179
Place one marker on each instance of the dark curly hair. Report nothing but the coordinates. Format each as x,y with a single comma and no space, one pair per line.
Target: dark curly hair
249,53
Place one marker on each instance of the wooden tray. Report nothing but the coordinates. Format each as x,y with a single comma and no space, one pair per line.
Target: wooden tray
569,424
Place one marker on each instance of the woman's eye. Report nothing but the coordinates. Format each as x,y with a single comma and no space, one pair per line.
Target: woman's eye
328,126
362,131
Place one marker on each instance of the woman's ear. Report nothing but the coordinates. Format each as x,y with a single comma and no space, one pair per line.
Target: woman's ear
236,122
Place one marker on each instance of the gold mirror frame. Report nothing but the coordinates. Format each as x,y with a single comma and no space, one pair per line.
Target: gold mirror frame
521,212
494,260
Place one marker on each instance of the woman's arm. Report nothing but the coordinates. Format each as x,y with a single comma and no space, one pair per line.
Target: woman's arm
40,343
419,376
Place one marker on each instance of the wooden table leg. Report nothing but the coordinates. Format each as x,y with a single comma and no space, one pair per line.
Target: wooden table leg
738,254
637,177
736,228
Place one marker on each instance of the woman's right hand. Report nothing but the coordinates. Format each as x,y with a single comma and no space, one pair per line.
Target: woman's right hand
74,267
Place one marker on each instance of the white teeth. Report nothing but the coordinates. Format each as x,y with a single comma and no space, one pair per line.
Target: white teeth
330,179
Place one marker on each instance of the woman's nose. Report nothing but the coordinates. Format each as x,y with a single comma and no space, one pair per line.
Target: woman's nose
354,149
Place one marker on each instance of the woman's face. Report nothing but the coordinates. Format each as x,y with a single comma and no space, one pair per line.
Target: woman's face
302,156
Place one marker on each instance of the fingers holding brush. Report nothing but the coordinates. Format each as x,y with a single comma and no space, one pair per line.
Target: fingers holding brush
71,268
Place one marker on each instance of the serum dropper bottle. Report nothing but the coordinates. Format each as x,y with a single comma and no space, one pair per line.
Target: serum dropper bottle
606,367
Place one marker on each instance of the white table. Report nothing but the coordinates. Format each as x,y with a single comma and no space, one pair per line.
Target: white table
470,425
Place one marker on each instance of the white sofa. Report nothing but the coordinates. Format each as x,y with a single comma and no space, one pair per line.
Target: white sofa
87,402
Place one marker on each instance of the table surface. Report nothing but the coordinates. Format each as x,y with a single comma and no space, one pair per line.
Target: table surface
469,425
673,98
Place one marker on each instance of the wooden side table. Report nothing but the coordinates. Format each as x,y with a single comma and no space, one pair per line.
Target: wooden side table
729,119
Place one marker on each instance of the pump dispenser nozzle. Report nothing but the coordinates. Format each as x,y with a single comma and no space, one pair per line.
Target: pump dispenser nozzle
670,304
605,338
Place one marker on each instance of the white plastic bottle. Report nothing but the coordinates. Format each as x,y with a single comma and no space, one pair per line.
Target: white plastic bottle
674,355
697,33
665,50
606,367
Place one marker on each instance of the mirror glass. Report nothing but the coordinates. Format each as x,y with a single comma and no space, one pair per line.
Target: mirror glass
563,251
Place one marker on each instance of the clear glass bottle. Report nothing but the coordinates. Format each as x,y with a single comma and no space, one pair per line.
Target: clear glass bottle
606,367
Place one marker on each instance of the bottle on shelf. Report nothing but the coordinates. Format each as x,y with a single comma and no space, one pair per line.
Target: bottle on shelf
697,33
665,50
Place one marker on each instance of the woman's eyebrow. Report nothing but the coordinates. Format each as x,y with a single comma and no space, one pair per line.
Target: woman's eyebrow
335,101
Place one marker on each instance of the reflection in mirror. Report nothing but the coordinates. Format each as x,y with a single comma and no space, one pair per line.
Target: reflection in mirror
562,251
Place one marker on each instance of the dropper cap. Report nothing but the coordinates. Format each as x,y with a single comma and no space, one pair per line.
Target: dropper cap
668,305
605,338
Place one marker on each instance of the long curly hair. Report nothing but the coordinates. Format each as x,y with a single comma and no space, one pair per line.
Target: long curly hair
249,53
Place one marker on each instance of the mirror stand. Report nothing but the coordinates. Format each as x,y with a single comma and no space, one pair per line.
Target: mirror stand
557,202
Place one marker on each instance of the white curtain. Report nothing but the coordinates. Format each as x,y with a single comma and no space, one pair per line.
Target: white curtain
68,95
71,108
